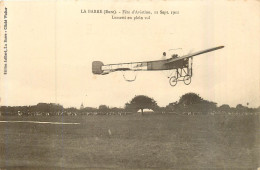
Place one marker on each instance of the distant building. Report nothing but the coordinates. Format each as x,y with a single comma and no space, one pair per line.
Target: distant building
146,111
81,106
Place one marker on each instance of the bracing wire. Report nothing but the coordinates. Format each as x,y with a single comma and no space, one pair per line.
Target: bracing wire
175,49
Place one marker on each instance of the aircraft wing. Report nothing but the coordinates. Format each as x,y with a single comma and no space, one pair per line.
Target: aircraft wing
193,54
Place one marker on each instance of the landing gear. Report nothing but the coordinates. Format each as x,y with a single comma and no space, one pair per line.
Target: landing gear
187,79
183,74
173,81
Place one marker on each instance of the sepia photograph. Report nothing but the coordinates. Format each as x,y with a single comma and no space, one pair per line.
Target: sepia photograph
132,84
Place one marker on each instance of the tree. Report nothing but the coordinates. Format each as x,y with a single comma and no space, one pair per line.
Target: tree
190,98
103,108
224,108
71,109
142,102
89,109
192,102
240,108
172,106
48,107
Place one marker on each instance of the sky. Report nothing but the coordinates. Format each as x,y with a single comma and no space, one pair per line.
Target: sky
51,46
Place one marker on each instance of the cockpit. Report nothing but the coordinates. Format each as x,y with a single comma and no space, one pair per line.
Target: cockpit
175,56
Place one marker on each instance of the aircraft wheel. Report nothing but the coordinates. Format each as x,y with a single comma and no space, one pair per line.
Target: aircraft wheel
173,81
187,79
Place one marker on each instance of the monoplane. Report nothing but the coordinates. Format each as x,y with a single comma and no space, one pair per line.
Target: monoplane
180,65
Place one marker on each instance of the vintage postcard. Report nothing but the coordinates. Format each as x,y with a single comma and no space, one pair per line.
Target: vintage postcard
129,84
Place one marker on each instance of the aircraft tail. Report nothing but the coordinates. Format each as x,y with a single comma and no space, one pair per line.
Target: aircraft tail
97,67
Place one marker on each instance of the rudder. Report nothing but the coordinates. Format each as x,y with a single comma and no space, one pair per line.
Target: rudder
97,67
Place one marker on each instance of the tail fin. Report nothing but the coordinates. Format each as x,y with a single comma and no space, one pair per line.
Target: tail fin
97,67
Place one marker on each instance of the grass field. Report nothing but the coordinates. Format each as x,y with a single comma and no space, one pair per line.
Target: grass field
131,142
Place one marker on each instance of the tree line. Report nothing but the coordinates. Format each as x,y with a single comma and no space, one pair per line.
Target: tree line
189,103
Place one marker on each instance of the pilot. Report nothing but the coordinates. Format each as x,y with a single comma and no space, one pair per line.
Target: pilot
164,56
175,56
